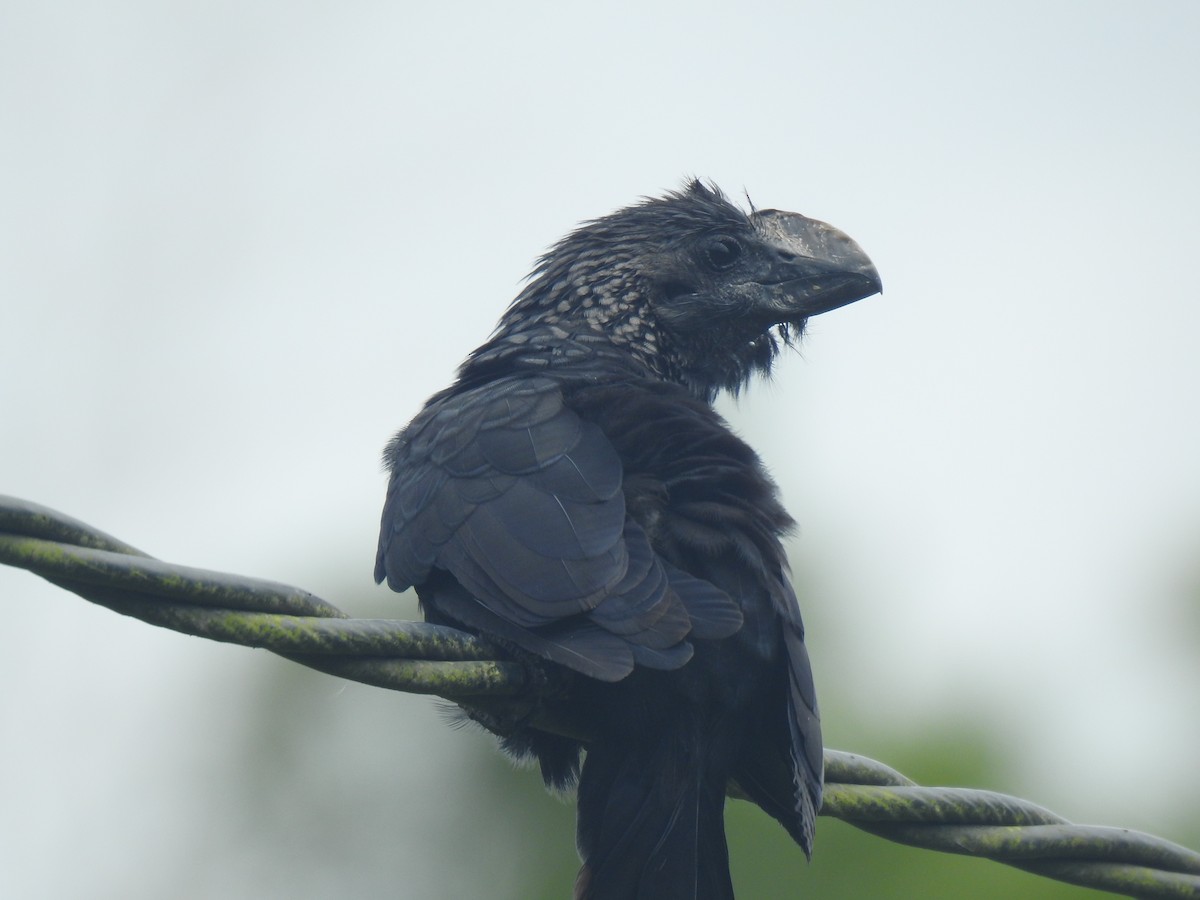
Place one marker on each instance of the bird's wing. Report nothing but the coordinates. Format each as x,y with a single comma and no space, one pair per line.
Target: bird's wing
509,491
804,720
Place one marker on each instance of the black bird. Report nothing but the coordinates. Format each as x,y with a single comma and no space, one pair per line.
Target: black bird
574,497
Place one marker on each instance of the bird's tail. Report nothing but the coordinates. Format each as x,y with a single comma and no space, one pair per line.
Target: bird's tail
651,824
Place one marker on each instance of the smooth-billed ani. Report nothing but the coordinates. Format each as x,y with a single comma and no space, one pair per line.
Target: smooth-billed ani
575,497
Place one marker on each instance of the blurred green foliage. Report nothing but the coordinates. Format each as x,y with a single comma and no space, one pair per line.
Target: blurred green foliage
311,787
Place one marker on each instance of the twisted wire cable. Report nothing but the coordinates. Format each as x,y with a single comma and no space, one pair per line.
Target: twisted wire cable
421,658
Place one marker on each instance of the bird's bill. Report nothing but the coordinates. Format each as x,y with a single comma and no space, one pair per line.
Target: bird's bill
816,266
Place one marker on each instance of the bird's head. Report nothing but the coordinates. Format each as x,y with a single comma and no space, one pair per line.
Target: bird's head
698,290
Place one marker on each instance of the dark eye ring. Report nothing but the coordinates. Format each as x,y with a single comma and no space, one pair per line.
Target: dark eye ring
722,252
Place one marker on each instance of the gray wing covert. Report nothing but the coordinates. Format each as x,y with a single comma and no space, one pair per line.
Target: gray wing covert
510,493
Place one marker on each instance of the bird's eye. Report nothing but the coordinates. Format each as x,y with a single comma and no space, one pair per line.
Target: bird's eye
722,252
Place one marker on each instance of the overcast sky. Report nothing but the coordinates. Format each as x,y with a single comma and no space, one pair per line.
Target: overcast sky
240,243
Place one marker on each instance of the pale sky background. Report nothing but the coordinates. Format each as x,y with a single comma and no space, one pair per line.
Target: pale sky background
240,243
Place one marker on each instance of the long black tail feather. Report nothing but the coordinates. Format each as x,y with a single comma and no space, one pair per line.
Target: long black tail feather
651,824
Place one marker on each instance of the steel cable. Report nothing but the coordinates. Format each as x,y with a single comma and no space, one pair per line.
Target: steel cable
423,658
